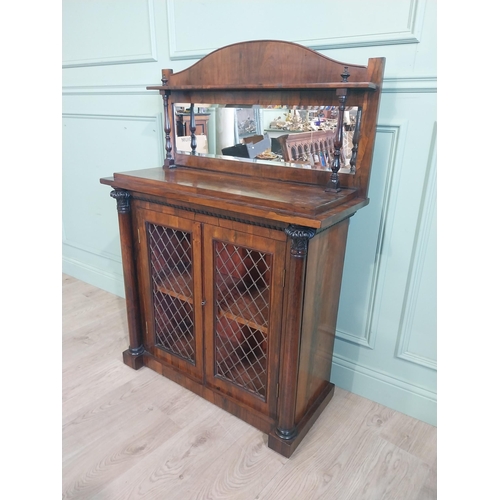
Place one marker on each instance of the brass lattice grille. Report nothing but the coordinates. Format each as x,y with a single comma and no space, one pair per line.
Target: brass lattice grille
171,262
242,282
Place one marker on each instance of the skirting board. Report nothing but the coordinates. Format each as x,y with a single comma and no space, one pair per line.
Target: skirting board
94,276
395,394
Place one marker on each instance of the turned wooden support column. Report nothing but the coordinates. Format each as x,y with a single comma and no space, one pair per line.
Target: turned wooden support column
192,129
334,182
133,355
169,159
300,237
355,141
338,141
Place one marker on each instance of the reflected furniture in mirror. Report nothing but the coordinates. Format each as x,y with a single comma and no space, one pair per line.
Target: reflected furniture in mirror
300,147
183,123
232,265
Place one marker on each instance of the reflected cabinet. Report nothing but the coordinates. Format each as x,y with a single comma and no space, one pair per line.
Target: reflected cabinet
233,265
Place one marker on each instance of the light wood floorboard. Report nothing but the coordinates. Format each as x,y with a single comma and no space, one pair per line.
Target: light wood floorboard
136,435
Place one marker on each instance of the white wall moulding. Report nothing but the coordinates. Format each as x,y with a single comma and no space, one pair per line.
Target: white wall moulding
416,336
370,28
362,273
94,145
155,120
107,30
410,84
134,89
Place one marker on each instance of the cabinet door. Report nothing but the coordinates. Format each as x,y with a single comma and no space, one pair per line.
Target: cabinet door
170,275
243,277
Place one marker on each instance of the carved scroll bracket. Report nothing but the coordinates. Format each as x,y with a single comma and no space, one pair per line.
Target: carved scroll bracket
300,237
122,198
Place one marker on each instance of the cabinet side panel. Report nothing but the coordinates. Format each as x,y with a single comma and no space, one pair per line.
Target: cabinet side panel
325,262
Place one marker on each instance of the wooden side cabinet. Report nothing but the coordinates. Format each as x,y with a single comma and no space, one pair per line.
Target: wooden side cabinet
233,267
239,312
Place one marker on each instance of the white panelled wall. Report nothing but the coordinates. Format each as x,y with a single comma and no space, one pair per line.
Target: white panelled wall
386,334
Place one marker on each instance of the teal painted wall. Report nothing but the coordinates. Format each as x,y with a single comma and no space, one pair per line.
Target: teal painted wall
386,338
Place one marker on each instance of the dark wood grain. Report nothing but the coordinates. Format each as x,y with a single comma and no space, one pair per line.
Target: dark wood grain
271,86
295,198
133,355
291,337
263,63
321,297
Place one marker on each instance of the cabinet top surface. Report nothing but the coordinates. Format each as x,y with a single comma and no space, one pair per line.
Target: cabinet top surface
273,199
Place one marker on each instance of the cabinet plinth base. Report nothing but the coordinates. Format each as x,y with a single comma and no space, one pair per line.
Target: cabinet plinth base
135,361
286,447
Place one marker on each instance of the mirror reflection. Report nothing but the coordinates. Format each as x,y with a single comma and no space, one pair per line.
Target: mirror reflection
286,135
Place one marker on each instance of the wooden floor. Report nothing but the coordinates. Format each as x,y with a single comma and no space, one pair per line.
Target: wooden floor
136,435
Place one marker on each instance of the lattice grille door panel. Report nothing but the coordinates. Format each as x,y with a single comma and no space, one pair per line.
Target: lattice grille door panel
170,253
242,286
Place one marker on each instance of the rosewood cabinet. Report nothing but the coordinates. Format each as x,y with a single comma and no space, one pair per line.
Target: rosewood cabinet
233,267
